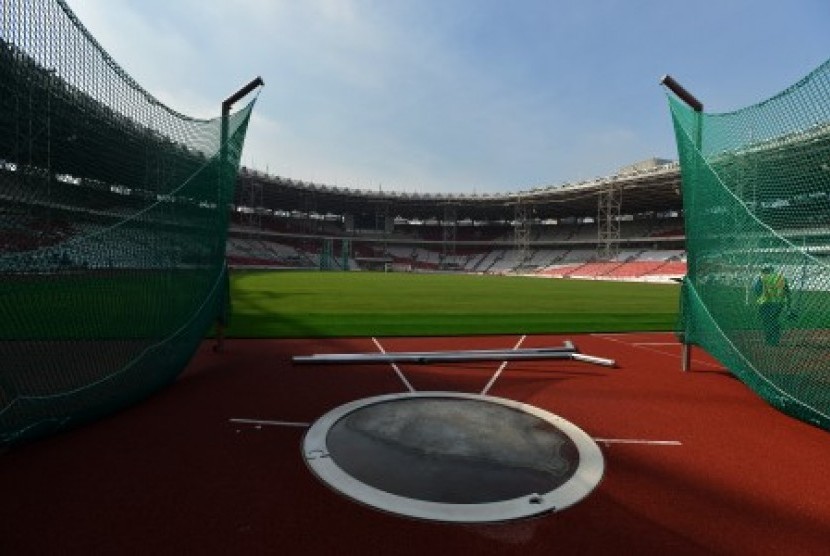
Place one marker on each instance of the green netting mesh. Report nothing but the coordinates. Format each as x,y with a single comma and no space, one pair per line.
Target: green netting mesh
113,222
756,194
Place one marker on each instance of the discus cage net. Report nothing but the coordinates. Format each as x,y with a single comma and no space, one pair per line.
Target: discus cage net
756,192
113,224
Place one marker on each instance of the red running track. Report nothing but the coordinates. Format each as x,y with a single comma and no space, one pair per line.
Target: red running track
175,474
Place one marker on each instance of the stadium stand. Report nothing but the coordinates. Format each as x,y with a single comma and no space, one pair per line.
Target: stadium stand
476,233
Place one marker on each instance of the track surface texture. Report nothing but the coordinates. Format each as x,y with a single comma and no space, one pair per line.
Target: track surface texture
695,463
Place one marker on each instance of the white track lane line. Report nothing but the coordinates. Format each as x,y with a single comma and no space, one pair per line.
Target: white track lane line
655,344
640,345
395,366
501,368
269,423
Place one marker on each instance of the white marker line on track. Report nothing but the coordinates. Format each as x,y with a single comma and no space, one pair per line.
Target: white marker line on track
270,423
395,366
640,346
655,344
501,368
639,441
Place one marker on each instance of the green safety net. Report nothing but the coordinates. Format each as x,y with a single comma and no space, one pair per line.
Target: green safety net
756,194
113,221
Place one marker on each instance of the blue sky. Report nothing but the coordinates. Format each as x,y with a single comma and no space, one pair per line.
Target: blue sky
464,96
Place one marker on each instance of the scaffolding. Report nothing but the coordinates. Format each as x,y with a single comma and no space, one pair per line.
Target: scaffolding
449,229
521,232
609,208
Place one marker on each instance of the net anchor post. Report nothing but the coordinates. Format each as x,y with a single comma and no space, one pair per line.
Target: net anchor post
686,357
221,205
670,83
227,104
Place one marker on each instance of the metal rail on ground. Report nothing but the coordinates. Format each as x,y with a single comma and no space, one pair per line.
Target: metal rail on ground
566,351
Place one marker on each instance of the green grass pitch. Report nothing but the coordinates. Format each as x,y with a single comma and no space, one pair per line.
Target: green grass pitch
328,304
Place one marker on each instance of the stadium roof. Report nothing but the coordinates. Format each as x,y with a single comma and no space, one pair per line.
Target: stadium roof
655,189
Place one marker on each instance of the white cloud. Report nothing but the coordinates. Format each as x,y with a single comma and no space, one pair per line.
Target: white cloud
156,53
354,94
437,95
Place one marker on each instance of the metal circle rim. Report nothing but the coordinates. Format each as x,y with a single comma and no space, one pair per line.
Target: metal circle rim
586,477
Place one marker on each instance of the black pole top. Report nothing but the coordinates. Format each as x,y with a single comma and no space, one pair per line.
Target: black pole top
682,93
228,102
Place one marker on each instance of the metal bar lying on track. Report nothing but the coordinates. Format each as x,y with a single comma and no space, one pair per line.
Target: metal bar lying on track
428,356
425,357
567,347
593,359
